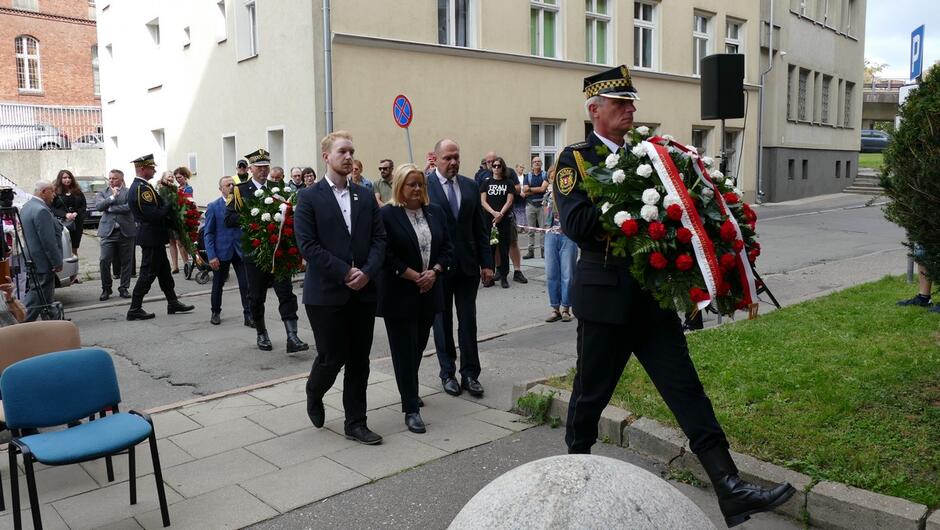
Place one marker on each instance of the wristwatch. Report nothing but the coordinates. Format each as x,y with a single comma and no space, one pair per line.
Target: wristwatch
437,270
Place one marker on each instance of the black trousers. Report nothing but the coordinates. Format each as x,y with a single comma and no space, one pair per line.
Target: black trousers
407,338
459,290
259,282
218,281
116,249
154,265
655,337
506,229
343,335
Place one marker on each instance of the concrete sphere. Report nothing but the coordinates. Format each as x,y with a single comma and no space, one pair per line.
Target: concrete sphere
579,491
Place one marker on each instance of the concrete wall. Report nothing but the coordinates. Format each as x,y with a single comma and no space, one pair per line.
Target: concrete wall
820,172
27,166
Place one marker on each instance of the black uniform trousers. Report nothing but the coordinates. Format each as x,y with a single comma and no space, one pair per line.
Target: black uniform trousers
154,265
116,249
343,335
407,338
460,290
259,282
655,337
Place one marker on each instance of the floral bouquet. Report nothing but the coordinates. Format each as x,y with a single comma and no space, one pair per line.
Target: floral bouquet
185,217
690,236
494,235
267,224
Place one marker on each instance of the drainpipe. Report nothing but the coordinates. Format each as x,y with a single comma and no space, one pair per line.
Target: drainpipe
760,111
327,67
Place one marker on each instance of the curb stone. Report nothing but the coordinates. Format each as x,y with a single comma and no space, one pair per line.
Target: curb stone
933,522
611,425
835,505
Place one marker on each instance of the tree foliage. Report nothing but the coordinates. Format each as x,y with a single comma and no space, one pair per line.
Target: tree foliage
912,171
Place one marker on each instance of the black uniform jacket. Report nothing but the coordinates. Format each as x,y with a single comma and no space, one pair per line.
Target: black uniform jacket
150,213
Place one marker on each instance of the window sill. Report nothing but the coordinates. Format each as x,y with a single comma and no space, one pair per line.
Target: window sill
38,93
186,46
221,40
155,88
248,58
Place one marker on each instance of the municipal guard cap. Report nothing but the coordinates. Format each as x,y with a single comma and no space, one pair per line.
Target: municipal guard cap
614,83
259,158
144,161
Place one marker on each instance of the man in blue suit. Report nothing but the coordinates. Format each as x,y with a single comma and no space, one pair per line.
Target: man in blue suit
341,235
223,248
459,197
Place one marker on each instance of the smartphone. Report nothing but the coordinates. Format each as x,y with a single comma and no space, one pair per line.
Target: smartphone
432,157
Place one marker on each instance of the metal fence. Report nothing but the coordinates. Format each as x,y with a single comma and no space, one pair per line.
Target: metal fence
50,127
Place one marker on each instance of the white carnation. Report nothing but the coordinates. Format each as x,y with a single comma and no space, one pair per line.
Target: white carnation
650,196
618,177
669,137
265,217
278,217
269,200
649,213
739,193
275,190
255,212
707,194
259,193
621,217
638,151
716,175
708,161
643,129
612,161
671,199
644,170
606,206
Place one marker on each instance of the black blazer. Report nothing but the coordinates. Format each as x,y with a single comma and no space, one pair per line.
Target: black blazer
399,297
469,233
150,213
330,250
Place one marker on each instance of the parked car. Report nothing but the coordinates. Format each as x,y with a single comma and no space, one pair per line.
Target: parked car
874,141
90,187
89,141
41,136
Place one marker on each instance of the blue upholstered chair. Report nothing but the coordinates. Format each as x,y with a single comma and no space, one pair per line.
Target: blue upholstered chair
63,388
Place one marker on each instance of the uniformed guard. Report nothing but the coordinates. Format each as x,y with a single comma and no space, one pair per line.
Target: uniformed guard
260,280
617,317
151,212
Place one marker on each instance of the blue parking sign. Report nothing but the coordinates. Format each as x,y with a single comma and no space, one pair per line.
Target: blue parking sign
917,52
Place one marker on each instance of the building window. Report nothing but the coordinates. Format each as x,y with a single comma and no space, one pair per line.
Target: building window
154,28
597,20
455,22
228,155
801,96
805,169
734,36
826,90
848,169
849,16
733,139
95,73
276,146
790,70
221,33
29,5
545,141
802,7
246,20
187,37
27,64
791,169
838,168
543,28
644,25
700,140
192,160
847,115
700,41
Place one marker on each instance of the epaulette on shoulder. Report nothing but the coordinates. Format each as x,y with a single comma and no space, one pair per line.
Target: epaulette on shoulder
579,145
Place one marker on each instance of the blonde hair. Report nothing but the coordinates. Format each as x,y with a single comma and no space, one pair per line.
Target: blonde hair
399,176
327,142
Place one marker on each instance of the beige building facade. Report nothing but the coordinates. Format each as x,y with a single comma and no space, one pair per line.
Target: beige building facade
202,83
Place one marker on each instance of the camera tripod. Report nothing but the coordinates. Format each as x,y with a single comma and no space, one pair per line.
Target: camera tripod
50,309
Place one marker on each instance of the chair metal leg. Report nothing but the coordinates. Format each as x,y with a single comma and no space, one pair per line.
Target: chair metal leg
34,507
158,476
108,464
3,505
14,488
132,469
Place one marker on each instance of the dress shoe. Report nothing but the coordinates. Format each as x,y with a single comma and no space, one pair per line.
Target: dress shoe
737,499
504,283
472,386
105,295
363,435
414,423
420,402
518,277
450,386
529,255
215,319
123,293
139,314
316,412
294,344
249,323
175,306
264,342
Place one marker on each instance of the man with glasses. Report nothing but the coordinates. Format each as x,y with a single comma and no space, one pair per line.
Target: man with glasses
533,188
296,182
383,188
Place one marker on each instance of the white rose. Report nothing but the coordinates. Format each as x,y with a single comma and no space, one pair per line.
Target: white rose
650,196
649,213
265,217
278,217
643,129
739,193
612,161
670,199
258,193
669,137
638,151
606,206
715,174
255,212
708,161
275,190
621,217
644,170
707,194
618,177
269,200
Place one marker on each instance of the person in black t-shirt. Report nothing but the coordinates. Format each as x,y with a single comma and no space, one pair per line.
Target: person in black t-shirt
496,194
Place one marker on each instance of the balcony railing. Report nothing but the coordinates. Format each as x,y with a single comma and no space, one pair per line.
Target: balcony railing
50,127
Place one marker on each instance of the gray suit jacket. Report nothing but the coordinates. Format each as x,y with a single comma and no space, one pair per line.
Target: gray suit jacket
43,234
117,214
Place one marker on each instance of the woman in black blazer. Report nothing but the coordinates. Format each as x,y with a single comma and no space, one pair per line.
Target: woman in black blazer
418,251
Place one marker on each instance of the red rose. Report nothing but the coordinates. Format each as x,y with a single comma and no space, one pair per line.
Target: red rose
289,220
272,227
752,255
292,251
727,261
684,235
253,226
256,243
273,239
684,262
722,288
698,295
674,212
728,233
181,201
749,213
657,231
288,231
658,261
738,245
629,228
731,197
756,246
278,253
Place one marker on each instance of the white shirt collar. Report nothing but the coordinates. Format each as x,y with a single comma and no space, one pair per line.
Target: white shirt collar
335,188
257,184
440,177
609,143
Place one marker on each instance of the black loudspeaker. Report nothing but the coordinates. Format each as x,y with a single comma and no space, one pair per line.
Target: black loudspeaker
722,86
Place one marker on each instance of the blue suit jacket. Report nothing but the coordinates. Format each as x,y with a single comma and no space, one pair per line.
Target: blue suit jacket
221,241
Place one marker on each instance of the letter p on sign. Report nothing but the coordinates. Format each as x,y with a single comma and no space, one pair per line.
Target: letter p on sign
917,52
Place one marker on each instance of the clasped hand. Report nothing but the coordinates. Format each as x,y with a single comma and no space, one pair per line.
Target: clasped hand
356,279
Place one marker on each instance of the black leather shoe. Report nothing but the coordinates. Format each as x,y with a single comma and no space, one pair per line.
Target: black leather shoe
139,314
738,499
529,255
518,277
123,293
215,320
175,306
249,323
450,386
420,402
504,283
104,295
414,423
294,344
264,342
472,386
316,412
363,435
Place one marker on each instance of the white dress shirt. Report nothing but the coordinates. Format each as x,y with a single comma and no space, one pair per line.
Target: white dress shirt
443,181
342,199
610,144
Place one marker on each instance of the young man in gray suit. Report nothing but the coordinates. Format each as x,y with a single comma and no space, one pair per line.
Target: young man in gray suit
43,234
117,231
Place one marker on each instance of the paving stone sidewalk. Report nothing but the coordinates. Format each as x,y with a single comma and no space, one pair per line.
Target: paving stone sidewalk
246,457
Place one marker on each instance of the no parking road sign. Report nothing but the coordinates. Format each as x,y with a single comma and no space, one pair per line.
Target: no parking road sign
403,113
